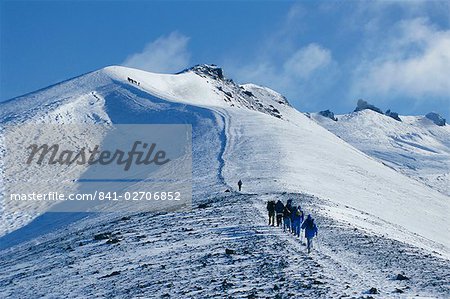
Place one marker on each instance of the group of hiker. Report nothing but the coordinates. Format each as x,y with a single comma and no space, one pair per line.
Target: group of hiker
293,220
133,81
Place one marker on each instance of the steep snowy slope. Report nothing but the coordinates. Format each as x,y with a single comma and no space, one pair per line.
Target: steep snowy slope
415,146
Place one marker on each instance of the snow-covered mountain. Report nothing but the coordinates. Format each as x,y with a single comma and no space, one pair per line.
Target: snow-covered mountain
414,145
372,218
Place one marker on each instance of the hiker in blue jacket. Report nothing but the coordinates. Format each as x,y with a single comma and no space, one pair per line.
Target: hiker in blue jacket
297,221
310,231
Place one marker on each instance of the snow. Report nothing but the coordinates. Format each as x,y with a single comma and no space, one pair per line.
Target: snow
416,146
183,255
243,132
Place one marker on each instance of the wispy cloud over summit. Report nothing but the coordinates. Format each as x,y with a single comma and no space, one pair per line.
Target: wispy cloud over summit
167,53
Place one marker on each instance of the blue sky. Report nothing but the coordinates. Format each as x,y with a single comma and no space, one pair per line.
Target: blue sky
321,55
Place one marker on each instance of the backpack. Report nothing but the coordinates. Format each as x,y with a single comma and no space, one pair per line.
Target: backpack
279,207
271,205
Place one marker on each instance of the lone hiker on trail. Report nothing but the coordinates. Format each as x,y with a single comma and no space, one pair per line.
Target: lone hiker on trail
279,207
297,221
240,185
271,210
310,231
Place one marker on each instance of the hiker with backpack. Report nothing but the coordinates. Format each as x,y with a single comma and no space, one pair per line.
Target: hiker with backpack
291,209
297,221
287,217
240,185
279,207
271,211
310,231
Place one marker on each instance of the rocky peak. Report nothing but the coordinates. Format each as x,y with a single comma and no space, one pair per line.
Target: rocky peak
327,113
249,96
393,115
362,105
210,70
436,118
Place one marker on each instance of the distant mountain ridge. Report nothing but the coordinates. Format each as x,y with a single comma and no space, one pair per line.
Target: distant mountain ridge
418,146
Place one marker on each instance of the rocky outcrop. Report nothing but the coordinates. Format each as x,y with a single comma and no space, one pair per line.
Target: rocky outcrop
327,113
363,105
436,118
210,70
393,115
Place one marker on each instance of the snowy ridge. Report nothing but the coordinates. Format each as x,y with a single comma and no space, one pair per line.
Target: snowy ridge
202,86
414,146
243,132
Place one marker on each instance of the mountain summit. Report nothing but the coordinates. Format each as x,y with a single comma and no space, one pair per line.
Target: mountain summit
210,70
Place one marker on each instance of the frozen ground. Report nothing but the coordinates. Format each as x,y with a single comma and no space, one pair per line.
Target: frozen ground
184,255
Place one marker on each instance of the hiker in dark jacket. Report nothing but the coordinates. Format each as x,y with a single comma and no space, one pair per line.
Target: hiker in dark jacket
291,208
310,231
240,185
279,207
271,211
287,218
297,221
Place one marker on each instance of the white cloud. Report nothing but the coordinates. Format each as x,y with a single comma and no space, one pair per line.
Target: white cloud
165,54
288,62
301,74
307,60
413,62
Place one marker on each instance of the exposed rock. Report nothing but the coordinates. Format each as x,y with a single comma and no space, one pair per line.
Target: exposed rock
327,113
363,105
102,236
252,295
210,70
373,291
249,93
114,273
230,251
401,277
113,241
436,118
393,115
